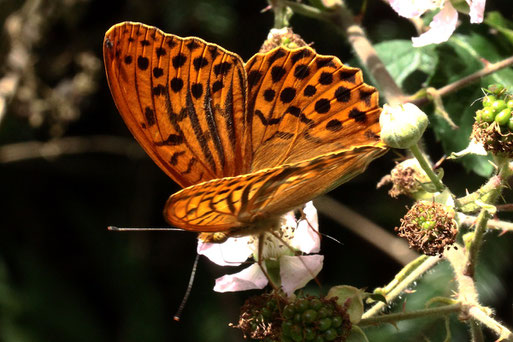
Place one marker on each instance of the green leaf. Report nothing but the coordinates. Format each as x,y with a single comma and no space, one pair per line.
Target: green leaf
497,21
461,56
378,297
357,335
402,59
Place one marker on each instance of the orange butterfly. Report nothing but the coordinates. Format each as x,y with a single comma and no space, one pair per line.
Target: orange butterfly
248,142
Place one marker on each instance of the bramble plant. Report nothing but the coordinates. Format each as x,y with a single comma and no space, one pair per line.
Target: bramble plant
441,225
253,141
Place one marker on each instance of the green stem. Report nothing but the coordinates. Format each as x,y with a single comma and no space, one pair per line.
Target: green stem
477,241
401,316
282,14
415,150
475,331
400,286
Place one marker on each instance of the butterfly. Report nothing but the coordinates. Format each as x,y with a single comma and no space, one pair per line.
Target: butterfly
248,142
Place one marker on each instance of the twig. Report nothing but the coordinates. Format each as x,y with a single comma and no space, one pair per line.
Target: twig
477,241
401,316
402,285
69,145
396,248
504,333
497,224
487,70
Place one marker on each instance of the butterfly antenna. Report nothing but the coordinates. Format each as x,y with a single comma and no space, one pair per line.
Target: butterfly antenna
332,238
176,317
142,229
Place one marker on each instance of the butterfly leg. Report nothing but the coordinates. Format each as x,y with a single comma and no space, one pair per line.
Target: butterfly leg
260,262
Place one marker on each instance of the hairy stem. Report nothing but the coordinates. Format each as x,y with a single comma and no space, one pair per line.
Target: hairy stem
401,316
414,275
422,98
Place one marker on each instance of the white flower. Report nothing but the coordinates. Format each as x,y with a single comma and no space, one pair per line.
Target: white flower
444,22
295,271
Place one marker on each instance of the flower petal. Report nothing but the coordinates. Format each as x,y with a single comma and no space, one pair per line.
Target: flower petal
232,252
297,271
441,28
306,236
477,8
248,279
411,8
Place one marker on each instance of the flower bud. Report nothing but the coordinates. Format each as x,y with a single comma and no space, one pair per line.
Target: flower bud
402,126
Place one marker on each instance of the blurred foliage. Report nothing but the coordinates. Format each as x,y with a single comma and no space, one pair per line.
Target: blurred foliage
64,277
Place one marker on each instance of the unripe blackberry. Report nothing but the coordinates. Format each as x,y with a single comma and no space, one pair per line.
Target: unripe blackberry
494,123
304,319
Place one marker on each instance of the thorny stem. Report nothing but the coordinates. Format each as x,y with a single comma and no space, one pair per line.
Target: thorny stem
413,276
486,213
475,331
401,316
496,224
427,168
407,269
468,203
467,295
422,98
477,241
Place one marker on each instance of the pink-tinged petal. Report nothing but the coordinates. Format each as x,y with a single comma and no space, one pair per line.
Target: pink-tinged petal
440,29
297,271
306,236
250,278
232,252
412,8
477,8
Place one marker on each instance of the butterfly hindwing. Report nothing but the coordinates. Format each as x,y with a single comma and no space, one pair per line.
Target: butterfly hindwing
182,98
302,105
234,204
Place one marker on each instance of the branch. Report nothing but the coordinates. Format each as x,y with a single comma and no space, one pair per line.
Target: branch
70,145
401,316
487,70
386,242
414,275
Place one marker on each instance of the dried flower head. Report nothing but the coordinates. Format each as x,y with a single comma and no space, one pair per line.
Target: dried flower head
429,227
282,37
407,178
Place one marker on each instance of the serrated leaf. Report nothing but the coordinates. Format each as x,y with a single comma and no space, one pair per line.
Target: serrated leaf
402,59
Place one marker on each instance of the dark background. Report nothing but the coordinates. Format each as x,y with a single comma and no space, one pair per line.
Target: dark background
64,277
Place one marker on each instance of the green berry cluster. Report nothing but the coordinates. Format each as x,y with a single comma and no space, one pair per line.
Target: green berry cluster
271,318
497,107
313,319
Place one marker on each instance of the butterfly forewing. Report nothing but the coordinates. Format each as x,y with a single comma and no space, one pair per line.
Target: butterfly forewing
302,105
235,203
183,99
